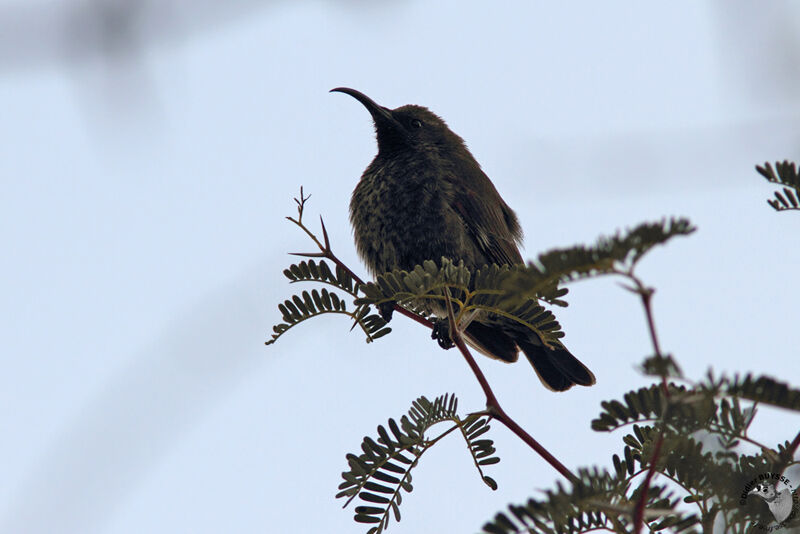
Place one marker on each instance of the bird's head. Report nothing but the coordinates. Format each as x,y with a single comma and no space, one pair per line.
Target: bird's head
765,491
407,127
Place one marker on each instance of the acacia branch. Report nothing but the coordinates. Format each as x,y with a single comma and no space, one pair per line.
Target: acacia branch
646,295
493,405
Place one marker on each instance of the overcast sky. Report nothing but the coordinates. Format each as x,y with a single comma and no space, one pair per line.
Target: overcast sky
149,158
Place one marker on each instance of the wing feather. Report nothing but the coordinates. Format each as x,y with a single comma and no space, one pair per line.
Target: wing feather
490,222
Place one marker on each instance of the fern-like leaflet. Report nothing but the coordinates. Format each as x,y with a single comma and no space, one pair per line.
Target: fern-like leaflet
787,176
597,501
311,304
382,472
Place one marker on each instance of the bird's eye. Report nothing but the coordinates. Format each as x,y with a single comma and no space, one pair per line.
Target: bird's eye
416,123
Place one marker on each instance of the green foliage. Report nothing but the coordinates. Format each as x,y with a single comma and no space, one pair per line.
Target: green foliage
682,418
514,291
382,472
510,291
671,427
683,409
682,465
617,254
596,501
486,290
310,271
311,304
763,389
664,366
787,176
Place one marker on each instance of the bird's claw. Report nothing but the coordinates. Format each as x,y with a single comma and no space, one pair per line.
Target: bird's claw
441,333
385,310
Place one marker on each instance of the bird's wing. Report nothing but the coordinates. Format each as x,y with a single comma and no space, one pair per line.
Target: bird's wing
491,224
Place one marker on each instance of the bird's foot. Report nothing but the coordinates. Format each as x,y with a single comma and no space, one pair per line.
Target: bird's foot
441,333
385,310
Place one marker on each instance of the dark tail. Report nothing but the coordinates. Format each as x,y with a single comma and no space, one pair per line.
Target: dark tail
558,369
492,341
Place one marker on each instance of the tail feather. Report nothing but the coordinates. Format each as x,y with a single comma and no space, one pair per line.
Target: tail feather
558,369
492,341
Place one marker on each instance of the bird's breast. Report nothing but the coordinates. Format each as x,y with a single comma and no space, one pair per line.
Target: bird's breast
400,215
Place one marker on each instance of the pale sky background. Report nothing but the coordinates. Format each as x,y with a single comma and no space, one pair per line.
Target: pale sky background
148,158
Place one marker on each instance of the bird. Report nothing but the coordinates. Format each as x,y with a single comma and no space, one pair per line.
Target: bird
779,503
424,197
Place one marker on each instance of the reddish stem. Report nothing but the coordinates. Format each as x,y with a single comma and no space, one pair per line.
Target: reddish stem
638,513
497,412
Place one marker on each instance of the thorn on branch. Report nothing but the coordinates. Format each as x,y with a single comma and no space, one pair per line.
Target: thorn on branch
309,254
627,287
324,233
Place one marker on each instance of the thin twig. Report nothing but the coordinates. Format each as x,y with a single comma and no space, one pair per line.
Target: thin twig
493,405
646,294
433,441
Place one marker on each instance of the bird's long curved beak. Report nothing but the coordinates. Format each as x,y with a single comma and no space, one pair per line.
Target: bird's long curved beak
380,114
